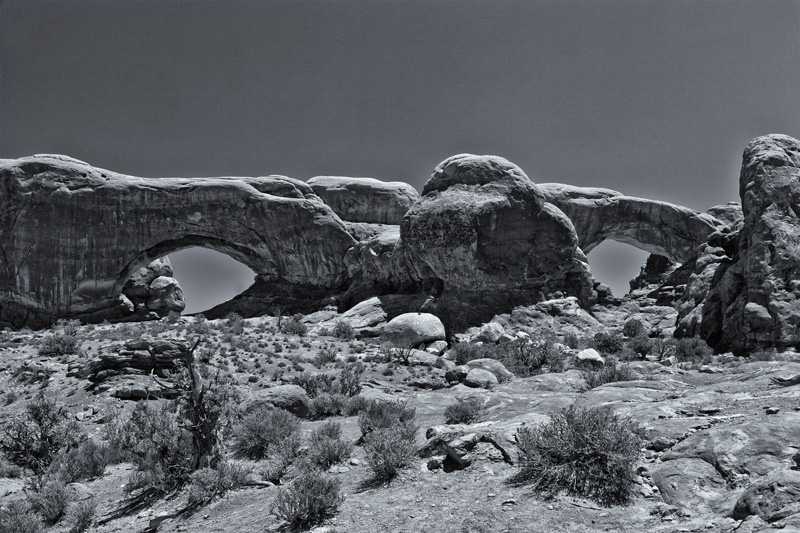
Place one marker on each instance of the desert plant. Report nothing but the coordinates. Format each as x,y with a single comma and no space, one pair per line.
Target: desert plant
17,516
87,461
608,343
692,349
571,340
309,499
327,404
464,411
64,342
261,429
32,439
640,344
610,372
210,483
633,327
315,384
464,352
234,324
281,456
343,330
381,414
589,452
295,326
81,514
326,446
200,326
389,449
50,500
326,355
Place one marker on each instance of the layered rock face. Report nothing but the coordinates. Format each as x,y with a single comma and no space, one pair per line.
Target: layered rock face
744,293
365,199
483,237
71,235
660,228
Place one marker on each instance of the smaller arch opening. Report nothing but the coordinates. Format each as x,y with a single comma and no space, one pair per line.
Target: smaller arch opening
615,264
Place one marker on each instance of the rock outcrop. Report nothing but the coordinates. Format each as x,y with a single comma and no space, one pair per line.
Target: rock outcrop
660,228
365,199
153,289
744,292
71,235
483,237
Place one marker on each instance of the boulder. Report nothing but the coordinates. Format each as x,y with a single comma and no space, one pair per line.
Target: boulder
492,365
413,329
437,347
292,398
479,378
366,314
483,237
744,292
590,355
163,297
165,293
768,498
489,333
365,199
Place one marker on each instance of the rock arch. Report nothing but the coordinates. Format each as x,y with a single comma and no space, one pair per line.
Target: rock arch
71,234
660,228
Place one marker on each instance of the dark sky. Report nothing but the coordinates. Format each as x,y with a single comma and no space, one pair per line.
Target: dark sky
651,98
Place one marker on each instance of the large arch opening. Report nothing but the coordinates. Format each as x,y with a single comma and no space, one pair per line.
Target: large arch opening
615,264
208,278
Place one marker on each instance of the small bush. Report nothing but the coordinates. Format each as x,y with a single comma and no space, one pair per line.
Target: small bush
343,330
50,501
326,355
571,340
59,343
210,483
87,461
81,515
349,382
389,449
262,429
18,517
294,326
381,414
31,440
464,411
608,343
327,404
200,326
692,349
315,384
464,352
589,452
309,499
633,327
234,324
326,446
641,344
608,373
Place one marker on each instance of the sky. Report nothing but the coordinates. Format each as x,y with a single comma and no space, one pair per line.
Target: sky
652,98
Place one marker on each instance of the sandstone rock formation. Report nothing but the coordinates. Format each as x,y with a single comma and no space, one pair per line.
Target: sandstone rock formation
152,288
365,199
412,329
71,235
484,238
744,292
657,227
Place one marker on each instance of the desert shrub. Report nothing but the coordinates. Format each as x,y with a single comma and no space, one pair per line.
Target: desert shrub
315,384
349,382
234,324
355,404
59,343
608,343
464,411
17,516
640,344
154,441
389,449
209,483
200,326
261,429
326,446
610,372
764,355
294,326
464,352
309,499
87,461
571,340
81,514
327,404
50,500
281,456
29,374
326,355
633,327
343,330
692,349
589,452
381,414
8,469
32,439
